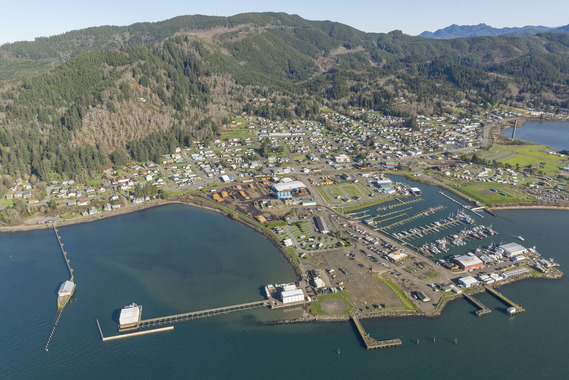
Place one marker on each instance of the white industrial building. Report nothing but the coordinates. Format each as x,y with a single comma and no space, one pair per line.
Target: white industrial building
318,283
513,249
290,293
66,289
288,186
130,316
468,281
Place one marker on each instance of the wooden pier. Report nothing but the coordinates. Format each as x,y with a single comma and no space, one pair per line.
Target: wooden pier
383,208
505,300
420,214
482,309
64,254
372,344
202,314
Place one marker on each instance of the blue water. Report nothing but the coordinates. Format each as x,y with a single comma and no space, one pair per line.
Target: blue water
549,133
177,258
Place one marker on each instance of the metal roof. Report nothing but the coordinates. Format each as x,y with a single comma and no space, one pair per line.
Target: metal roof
287,186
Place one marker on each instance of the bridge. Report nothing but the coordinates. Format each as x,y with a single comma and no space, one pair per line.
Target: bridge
202,314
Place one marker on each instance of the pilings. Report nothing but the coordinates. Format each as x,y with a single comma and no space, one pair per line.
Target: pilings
369,342
482,309
202,313
64,253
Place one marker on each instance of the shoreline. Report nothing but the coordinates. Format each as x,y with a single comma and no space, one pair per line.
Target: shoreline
555,274
199,201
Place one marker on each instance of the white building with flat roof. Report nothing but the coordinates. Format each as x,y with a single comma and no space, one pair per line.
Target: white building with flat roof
468,281
513,249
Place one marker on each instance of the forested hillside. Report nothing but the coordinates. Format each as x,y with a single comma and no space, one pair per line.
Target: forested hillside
102,94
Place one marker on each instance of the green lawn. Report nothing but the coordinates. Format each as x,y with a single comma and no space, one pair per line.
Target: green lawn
481,192
406,301
316,306
523,155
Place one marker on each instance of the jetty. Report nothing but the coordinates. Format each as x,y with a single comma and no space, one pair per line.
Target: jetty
201,314
369,342
513,308
482,309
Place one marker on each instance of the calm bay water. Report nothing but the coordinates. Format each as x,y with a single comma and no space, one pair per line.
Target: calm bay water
176,258
549,133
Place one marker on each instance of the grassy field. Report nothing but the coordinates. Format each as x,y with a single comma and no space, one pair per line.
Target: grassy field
481,192
342,190
316,306
406,301
524,155
237,133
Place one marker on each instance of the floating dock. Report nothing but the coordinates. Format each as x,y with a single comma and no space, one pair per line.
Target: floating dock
202,314
465,206
372,344
482,309
513,308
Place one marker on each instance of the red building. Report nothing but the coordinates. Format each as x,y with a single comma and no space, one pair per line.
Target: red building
467,262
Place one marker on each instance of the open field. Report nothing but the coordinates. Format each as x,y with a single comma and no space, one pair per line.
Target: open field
524,155
481,192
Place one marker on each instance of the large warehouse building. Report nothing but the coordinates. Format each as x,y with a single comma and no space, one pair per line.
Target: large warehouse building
513,249
284,190
291,293
467,262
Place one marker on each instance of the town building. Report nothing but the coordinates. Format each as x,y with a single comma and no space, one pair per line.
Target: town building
467,262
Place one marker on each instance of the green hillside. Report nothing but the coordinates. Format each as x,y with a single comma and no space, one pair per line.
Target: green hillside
71,104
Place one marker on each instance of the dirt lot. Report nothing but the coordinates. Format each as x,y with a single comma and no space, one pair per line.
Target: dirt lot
362,287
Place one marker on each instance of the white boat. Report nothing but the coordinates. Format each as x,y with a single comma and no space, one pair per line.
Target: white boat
520,237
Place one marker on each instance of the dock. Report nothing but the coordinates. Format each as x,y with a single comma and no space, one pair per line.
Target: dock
482,309
517,308
201,314
71,278
369,342
464,206
64,253
130,335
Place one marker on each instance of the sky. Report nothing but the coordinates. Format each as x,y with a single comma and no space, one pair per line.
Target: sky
23,20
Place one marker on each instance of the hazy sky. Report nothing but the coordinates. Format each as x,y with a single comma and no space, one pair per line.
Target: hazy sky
27,19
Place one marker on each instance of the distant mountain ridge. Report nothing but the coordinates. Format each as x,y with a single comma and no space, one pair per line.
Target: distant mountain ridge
483,30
